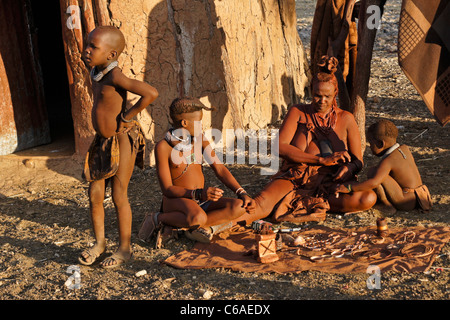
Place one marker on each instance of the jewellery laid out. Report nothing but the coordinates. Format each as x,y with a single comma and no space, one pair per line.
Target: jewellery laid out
405,237
380,253
318,242
373,245
410,250
360,249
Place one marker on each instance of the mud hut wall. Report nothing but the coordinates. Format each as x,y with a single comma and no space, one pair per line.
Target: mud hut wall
244,58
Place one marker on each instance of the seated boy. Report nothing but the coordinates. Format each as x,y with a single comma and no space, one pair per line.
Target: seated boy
396,179
187,203
118,144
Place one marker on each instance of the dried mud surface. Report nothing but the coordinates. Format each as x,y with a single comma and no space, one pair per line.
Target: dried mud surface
44,218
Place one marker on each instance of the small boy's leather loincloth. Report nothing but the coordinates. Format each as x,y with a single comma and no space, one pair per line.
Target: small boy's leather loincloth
102,158
423,197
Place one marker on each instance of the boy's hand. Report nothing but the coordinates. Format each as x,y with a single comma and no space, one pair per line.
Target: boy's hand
212,193
249,203
343,174
340,188
124,126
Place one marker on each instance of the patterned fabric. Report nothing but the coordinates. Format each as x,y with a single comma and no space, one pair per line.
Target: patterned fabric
424,52
102,159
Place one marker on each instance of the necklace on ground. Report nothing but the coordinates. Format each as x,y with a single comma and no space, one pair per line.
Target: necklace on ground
97,76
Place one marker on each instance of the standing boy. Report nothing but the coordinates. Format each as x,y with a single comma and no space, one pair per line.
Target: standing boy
118,142
396,179
187,203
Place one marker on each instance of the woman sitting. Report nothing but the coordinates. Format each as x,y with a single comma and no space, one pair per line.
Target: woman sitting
320,146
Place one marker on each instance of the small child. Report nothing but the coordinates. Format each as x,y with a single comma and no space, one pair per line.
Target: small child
187,203
396,179
118,144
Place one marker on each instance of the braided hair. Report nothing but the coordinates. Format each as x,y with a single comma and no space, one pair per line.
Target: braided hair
325,69
186,105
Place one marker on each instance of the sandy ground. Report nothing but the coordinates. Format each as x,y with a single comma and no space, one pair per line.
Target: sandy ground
44,217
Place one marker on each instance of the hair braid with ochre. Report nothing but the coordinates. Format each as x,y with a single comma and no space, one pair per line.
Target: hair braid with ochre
186,105
325,69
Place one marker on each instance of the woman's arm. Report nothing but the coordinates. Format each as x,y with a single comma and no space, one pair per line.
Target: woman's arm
355,164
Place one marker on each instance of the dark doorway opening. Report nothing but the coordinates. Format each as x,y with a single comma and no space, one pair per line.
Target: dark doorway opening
46,27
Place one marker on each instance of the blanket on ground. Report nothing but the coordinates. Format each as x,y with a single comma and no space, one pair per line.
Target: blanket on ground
233,250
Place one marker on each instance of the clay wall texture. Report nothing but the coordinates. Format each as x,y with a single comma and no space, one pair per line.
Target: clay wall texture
245,58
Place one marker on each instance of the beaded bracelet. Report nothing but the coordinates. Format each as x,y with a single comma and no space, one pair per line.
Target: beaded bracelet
241,192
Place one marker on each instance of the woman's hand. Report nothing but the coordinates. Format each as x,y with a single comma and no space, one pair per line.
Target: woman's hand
336,158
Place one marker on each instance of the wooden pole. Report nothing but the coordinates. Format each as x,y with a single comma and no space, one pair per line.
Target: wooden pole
74,34
366,39
335,46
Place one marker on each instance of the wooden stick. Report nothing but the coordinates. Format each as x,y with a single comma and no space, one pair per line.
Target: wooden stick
420,134
366,39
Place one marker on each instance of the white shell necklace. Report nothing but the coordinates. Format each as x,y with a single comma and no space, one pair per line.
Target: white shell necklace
390,150
184,144
97,76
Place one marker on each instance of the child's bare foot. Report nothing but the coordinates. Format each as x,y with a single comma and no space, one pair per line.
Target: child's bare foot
117,259
90,255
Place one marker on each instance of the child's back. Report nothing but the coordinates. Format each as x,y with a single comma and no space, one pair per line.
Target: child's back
396,179
403,167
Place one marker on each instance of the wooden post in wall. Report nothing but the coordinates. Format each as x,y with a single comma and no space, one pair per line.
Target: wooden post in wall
366,40
77,20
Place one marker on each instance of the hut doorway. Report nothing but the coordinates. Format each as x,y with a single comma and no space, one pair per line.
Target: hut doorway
35,98
47,22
